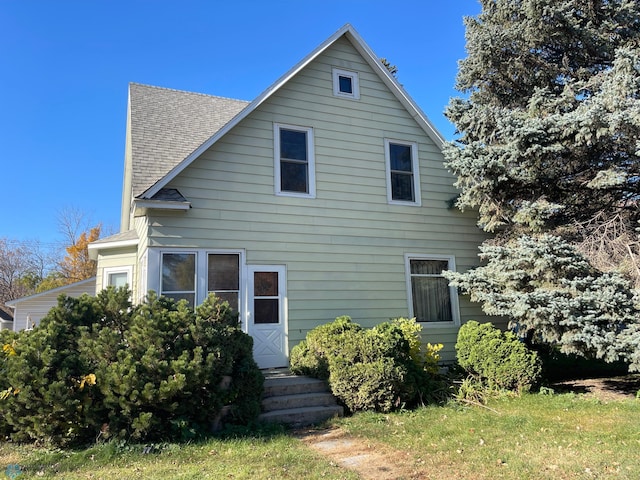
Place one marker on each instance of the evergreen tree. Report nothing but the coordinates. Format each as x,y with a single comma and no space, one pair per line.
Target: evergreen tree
550,131
549,144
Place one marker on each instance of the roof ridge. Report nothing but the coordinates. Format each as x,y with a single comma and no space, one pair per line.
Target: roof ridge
188,92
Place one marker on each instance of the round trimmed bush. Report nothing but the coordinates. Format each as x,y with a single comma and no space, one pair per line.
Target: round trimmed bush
498,359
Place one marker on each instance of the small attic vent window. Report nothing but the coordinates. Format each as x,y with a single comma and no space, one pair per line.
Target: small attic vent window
346,84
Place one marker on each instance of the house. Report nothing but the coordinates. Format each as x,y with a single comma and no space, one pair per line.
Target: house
28,311
6,320
324,196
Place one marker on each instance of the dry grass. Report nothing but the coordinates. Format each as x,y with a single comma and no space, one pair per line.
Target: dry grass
532,437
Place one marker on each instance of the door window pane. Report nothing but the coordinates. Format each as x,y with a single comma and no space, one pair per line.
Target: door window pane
266,303
265,284
266,310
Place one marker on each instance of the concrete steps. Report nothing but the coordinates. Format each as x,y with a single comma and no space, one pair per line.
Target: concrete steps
296,400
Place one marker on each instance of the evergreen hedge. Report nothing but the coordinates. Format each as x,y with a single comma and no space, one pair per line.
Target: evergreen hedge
98,367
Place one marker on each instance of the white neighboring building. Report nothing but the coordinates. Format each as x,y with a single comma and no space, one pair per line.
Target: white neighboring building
28,311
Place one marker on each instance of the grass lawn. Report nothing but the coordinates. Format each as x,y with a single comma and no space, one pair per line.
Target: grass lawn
532,437
277,456
564,436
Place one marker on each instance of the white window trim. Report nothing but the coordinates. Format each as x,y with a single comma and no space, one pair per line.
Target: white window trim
310,160
355,83
195,279
111,270
414,167
154,274
453,291
241,290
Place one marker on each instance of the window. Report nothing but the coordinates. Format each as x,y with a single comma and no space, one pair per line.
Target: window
117,277
346,84
266,298
223,277
403,182
195,273
178,279
294,161
431,300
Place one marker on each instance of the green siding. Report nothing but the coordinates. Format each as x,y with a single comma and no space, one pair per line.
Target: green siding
344,250
116,257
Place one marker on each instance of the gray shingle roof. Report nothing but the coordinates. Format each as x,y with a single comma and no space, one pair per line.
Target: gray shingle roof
167,125
118,237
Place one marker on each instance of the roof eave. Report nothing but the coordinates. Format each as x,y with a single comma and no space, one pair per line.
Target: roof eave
95,248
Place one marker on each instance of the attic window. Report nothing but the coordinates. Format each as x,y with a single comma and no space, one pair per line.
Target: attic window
346,84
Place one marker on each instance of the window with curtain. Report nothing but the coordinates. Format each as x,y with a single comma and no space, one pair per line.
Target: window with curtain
431,295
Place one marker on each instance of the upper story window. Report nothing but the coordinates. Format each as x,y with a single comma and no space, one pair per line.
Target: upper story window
294,161
403,180
346,84
431,299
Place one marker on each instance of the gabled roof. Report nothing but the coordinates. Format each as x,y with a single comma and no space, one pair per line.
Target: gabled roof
167,125
160,167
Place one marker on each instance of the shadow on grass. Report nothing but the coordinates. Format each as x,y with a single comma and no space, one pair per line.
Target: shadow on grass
39,461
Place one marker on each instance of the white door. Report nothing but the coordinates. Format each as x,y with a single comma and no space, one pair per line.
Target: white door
267,315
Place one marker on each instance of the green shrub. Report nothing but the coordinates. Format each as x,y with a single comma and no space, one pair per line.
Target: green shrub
378,369
498,359
98,367
7,349
311,356
51,402
372,386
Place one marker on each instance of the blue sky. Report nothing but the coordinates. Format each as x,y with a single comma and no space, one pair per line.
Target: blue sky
65,67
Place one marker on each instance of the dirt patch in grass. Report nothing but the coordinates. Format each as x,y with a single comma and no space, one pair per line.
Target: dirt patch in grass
370,460
605,389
